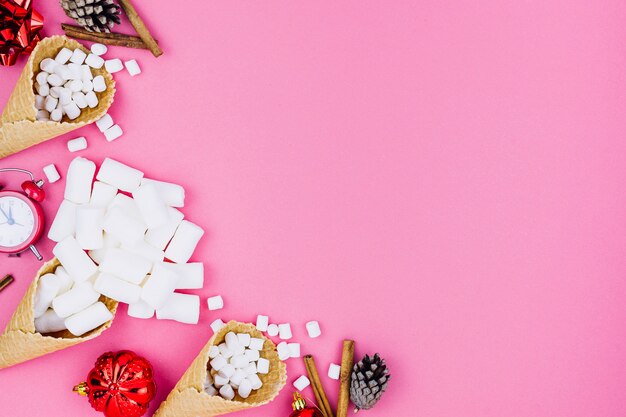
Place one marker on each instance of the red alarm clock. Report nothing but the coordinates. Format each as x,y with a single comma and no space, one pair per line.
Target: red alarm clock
21,216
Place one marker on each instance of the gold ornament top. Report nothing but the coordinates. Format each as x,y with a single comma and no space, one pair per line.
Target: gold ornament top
298,402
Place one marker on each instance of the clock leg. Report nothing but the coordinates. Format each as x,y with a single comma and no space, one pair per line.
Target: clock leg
36,252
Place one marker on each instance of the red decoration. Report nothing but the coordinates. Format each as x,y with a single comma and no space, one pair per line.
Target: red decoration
19,29
301,410
120,385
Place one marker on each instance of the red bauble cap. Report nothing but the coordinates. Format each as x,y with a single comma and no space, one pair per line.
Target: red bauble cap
301,410
33,191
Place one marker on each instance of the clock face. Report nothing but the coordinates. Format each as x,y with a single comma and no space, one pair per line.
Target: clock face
17,221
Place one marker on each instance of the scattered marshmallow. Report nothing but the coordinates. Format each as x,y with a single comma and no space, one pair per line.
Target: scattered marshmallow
78,56
183,308
334,371
184,242
104,122
98,49
119,175
160,236
64,223
51,173
190,275
159,287
217,325
284,331
140,310
313,329
294,350
117,289
132,67
113,65
262,322
272,330
283,351
94,61
152,208
113,133
172,194
78,180
78,144
215,303
301,383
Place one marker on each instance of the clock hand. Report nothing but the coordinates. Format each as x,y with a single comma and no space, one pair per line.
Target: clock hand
10,213
4,214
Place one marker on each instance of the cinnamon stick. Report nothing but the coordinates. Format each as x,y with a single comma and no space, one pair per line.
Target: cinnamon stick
115,39
347,358
140,27
316,384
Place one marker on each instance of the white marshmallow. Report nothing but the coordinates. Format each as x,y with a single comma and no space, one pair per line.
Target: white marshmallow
71,110
47,288
225,351
263,366
78,56
151,206
256,343
50,103
79,99
75,86
119,175
49,322
284,331
140,310
77,144
255,381
133,67
125,265
127,205
89,227
91,99
334,371
172,194
239,361
88,88
227,392
245,388
313,329
218,362
215,303
77,299
220,380
51,173
98,49
238,350
184,242
94,61
159,288
42,115
54,80
85,74
227,371
65,97
113,65
146,251
125,228
232,341
104,122
238,376
294,350
77,263
76,72
117,289
42,77
250,369
42,89
211,390
56,115
88,319
63,72
79,178
272,330
99,85
63,56
251,355
64,222
301,383
262,322
283,351
39,102
65,281
109,241
48,65
102,194
113,133
213,351
160,236
217,325
190,275
244,338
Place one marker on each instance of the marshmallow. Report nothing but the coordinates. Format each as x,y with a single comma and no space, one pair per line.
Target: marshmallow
98,49
99,85
160,236
255,381
133,67
227,392
172,194
42,89
125,228
256,343
71,110
151,206
190,275
63,56
125,265
159,287
102,194
56,115
215,303
49,322
78,144
272,330
334,371
263,366
63,72
220,380
42,115
183,308
283,351
117,289
210,390
227,371
79,178
239,361
64,222
51,173
87,88
231,340
89,227
94,61
88,319
47,288
245,388
294,350
284,331
50,103
39,100
76,72
213,351
301,383
225,351
127,205
79,99
113,133
85,74
251,355
77,299
104,122
113,65
244,338
109,241
65,281
262,322
146,251
48,65
184,242
313,329
78,56
218,362
140,310
54,80
250,369
217,325
42,77
75,86
77,263
91,99
119,175
237,377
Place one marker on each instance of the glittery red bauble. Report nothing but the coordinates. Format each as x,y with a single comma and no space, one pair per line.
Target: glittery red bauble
120,385
307,412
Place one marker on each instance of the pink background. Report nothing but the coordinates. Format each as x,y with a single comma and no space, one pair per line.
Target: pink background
444,184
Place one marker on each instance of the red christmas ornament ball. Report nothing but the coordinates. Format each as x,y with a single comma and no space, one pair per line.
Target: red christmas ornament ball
121,384
301,410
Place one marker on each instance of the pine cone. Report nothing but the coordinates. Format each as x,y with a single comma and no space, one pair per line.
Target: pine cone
93,15
368,382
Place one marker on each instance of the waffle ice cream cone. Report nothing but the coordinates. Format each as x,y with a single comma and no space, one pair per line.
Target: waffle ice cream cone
19,128
20,342
188,398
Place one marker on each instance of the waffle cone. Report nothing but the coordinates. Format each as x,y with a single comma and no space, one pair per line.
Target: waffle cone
19,128
20,342
188,398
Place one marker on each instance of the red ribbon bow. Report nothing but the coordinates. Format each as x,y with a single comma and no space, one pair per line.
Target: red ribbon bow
19,29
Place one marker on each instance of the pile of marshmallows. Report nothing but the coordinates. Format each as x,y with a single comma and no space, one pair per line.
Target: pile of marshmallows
236,364
115,244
